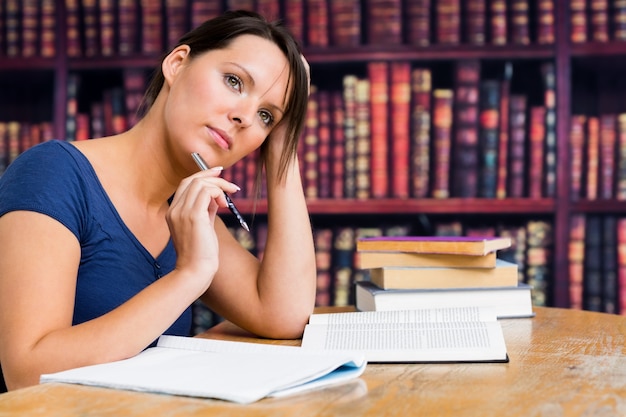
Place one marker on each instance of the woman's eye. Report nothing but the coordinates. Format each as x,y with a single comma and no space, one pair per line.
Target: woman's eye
266,117
233,82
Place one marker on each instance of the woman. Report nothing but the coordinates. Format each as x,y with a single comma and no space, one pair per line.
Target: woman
106,243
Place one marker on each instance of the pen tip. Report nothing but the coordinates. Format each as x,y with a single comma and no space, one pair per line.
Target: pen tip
245,226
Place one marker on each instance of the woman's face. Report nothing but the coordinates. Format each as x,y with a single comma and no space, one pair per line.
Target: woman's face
224,103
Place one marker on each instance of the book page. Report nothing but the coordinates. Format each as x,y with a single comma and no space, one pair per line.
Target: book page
239,376
410,336
434,315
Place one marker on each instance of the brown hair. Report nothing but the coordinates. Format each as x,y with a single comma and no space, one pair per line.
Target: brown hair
218,33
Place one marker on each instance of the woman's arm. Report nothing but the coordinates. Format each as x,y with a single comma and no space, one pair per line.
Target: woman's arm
276,297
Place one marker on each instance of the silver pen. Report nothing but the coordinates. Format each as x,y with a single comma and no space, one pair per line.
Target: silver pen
231,206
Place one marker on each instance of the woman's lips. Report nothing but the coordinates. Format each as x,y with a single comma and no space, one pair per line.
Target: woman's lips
221,138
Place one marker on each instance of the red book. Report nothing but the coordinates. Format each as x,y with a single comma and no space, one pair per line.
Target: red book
324,144
175,21
317,23
270,9
384,22
536,151
576,260
151,27
620,192
379,101
294,18
12,27
448,22
345,22
593,157
621,264
48,28
400,120
577,154
202,10
619,20
443,100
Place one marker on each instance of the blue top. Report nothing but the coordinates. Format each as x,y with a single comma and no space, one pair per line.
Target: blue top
56,179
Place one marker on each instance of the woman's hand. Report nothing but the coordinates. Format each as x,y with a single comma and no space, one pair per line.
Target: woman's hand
191,220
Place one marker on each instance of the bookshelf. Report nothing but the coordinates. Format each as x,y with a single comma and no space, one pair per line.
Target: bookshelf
44,80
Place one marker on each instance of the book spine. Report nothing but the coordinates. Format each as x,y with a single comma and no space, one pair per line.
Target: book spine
475,22
498,22
363,139
599,20
539,249
609,265
592,291
310,146
135,81
338,145
400,120
545,22
593,158
349,97
448,22
503,135
201,11
345,22
488,137
621,264
520,33
466,120
175,21
2,29
421,87
107,27
270,9
576,260
578,21
607,156
443,101
12,27
48,28
323,246
577,143
151,27
619,20
4,128
30,28
378,73
317,23
517,147
73,38
384,22
324,144
91,39
550,150
343,257
418,25
620,192
294,18
536,155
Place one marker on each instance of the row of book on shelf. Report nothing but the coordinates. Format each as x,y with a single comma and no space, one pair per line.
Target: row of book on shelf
391,133
340,265
597,262
598,156
127,27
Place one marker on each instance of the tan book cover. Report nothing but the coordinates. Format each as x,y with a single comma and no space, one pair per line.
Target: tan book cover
504,274
461,245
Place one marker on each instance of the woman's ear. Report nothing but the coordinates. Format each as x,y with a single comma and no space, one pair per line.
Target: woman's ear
173,62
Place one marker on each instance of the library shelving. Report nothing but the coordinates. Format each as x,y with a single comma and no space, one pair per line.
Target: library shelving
585,70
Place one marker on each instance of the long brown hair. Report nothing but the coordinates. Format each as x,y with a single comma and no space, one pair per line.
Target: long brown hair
218,33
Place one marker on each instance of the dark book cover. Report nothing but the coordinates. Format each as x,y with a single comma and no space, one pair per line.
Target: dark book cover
592,291
443,102
345,22
488,137
421,85
517,147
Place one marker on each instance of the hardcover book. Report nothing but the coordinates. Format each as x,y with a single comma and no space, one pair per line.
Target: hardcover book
504,274
379,259
461,245
507,302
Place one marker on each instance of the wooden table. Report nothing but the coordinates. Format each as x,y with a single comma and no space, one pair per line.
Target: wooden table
562,363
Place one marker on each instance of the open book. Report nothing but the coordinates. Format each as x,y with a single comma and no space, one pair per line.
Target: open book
463,334
233,371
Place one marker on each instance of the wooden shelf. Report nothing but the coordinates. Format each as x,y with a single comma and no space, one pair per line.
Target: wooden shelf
595,49
417,206
35,64
599,206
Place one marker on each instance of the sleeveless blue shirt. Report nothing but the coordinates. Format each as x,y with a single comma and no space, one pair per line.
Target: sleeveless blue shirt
56,179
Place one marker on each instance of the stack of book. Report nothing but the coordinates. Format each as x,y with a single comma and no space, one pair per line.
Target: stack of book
415,272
